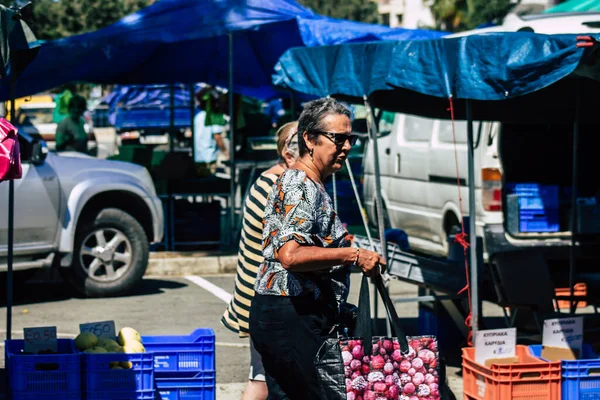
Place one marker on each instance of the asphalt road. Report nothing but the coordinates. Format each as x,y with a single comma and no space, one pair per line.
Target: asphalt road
170,306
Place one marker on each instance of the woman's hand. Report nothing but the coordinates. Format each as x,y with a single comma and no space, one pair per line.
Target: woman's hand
369,262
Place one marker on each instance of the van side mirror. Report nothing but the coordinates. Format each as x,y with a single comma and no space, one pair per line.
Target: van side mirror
39,151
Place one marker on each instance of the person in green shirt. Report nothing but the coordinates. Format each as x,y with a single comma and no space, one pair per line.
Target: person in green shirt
70,133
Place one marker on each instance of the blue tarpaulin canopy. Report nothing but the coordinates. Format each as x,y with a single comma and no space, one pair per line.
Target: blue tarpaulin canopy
531,72
175,41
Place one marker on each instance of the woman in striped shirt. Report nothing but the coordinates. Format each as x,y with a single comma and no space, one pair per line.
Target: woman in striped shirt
250,257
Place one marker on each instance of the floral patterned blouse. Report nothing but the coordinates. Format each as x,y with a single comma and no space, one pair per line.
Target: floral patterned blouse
300,209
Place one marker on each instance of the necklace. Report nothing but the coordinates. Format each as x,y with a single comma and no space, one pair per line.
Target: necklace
312,172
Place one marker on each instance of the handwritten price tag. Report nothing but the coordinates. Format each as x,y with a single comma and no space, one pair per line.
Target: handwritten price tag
495,343
563,333
40,340
105,329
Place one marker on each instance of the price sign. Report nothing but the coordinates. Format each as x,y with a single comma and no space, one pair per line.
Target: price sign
105,329
39,340
566,333
495,343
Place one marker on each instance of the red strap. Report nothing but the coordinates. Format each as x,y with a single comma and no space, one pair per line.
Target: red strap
461,238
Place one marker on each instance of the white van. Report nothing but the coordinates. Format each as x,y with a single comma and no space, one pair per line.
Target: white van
420,183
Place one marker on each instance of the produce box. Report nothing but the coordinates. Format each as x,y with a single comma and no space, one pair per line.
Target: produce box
580,378
187,353
43,376
133,380
529,379
186,386
112,371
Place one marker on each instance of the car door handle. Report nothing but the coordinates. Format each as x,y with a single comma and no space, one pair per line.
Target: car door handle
387,151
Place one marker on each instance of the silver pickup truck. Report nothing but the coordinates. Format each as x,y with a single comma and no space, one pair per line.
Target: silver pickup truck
94,219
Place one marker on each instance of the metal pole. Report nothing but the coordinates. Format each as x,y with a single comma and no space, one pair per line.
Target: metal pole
231,144
192,115
335,203
363,214
472,229
11,229
293,106
575,188
171,115
378,198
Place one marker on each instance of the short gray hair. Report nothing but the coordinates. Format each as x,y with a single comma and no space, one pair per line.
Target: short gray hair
311,119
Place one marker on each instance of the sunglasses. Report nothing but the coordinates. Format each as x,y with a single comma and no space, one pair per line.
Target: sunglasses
339,138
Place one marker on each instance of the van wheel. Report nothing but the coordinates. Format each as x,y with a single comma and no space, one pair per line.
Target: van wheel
110,255
386,218
451,227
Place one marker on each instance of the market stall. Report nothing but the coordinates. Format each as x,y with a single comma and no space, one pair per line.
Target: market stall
517,78
139,50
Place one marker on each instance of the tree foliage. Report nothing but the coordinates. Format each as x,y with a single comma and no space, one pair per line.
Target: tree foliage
458,15
54,19
354,10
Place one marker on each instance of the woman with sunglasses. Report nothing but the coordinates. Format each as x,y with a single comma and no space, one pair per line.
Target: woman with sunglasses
236,315
305,274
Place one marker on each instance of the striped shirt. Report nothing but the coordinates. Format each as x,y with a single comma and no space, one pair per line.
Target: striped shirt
237,314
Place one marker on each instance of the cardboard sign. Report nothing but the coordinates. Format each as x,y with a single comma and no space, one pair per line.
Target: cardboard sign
564,333
41,339
495,344
104,329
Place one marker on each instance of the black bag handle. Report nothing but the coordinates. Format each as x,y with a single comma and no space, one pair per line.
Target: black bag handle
364,327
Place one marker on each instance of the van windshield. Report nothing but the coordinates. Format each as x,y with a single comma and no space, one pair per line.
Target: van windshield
35,116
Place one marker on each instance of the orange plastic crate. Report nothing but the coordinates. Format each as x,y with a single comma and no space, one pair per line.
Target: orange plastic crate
530,379
579,290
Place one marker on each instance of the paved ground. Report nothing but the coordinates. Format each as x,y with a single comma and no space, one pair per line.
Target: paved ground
173,305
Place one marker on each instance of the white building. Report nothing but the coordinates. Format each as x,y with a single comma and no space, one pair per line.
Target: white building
409,14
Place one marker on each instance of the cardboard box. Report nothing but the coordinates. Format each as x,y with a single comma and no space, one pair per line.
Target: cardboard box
558,353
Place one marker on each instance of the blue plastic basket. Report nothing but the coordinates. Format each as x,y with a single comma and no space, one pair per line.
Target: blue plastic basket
189,353
138,395
43,376
103,383
186,386
580,378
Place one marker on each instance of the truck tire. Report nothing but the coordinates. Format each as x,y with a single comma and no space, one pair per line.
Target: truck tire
110,255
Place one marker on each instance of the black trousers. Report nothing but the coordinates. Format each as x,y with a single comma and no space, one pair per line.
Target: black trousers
288,332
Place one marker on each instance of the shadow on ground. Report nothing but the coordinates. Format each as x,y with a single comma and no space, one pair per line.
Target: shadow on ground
27,292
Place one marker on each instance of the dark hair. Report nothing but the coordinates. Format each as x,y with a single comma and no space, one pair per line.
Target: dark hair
77,104
311,119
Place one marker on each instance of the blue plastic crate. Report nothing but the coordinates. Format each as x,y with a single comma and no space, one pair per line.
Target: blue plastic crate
580,378
189,353
138,395
105,383
186,386
539,225
43,376
548,192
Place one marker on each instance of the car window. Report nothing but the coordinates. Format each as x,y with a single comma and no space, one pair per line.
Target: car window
417,129
386,122
445,132
35,116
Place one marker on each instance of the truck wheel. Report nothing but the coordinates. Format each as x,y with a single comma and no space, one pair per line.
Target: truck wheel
110,254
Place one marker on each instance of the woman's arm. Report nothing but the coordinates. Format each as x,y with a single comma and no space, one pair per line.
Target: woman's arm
297,258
